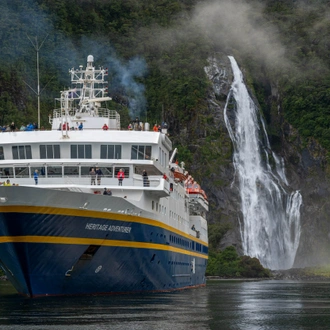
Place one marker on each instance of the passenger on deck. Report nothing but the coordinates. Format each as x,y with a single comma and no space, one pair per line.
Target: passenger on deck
121,177
105,127
98,175
80,127
93,176
7,183
145,179
107,192
155,129
12,127
136,123
29,127
130,127
36,176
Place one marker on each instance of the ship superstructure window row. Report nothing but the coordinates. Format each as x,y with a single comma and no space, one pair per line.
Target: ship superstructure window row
110,152
81,151
140,152
22,152
188,244
49,151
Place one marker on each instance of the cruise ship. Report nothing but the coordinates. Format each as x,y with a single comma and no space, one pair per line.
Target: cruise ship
88,207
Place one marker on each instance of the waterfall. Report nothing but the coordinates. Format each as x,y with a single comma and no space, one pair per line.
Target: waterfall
270,228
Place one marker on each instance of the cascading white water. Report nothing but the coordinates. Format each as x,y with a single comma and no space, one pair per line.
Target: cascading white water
270,228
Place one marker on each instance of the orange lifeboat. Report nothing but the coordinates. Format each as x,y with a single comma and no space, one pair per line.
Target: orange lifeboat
179,175
195,189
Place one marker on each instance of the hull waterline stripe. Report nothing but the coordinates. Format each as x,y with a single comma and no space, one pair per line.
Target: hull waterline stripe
96,215
95,241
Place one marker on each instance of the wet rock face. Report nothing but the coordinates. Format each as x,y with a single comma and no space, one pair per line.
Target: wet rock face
221,190
306,170
297,274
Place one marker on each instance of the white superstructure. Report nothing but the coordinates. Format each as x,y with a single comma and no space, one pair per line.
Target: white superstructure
64,156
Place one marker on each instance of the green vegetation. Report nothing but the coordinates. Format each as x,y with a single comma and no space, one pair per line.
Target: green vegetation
227,263
173,83
318,271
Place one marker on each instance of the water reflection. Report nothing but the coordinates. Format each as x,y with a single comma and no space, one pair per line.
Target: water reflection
220,305
270,305
155,311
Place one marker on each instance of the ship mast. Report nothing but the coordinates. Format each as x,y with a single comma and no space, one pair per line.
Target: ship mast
37,48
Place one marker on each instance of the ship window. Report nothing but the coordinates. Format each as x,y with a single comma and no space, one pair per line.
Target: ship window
71,170
81,151
85,170
110,152
22,172
22,152
49,151
141,152
2,156
125,169
54,171
107,171
152,205
6,172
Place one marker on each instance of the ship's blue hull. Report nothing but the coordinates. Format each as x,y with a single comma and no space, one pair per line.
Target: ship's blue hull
57,252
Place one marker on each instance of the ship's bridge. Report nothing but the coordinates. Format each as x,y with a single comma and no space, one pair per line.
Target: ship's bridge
90,119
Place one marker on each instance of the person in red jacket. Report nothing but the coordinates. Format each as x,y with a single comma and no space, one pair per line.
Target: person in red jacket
105,127
121,177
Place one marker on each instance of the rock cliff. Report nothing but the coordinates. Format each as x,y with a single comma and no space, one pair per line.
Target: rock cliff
306,168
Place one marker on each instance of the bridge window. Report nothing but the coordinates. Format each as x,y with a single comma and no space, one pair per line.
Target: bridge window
49,151
110,152
81,151
2,155
22,152
141,152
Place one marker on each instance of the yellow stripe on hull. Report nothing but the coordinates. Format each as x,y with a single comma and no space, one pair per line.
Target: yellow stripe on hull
97,215
95,241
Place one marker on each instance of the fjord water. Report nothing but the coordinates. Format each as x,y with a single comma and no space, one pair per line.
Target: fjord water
270,224
221,305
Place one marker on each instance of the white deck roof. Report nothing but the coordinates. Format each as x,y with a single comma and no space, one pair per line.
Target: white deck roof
132,137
